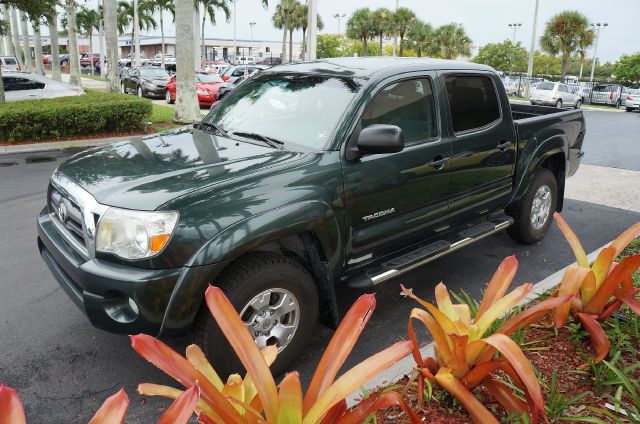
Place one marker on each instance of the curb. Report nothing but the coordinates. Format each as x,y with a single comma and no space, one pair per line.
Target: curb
406,365
61,145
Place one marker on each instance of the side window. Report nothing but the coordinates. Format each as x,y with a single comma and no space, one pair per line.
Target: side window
408,105
238,72
18,84
562,88
472,101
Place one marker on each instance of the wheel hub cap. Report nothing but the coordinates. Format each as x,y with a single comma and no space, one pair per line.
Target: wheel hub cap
272,318
541,207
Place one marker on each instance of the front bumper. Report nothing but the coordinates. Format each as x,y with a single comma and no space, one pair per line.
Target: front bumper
103,289
632,104
155,91
543,102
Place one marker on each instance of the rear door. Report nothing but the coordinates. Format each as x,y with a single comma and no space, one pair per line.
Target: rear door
483,145
396,199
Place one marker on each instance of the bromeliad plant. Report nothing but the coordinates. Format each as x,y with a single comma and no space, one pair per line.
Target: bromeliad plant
466,347
600,288
256,398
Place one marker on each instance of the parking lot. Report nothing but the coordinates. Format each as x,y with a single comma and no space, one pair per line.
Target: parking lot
64,368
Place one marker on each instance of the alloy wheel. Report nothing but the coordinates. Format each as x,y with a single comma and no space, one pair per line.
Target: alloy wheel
541,207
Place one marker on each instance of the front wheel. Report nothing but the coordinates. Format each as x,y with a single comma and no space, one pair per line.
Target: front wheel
167,98
629,109
532,214
277,300
578,104
140,92
559,104
122,88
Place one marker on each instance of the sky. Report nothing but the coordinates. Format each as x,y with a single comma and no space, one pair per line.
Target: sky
486,21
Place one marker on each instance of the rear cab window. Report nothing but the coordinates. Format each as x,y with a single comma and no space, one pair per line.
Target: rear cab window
473,102
406,104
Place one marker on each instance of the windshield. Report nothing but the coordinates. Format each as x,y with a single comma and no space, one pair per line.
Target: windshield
545,86
153,73
208,78
299,109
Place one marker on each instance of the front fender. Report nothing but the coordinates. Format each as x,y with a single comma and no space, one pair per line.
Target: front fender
246,235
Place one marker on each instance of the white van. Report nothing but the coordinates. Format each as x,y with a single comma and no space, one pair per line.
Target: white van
9,63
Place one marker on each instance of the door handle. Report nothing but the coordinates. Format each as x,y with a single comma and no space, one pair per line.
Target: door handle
504,146
439,163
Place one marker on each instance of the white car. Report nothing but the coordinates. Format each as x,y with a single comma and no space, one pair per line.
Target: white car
555,94
25,86
9,63
632,100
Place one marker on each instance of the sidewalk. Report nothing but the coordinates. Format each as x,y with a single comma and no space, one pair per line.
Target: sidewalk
86,82
61,145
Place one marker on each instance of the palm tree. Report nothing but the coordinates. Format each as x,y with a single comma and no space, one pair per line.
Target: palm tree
28,63
421,37
11,51
187,108
451,41
566,33
281,18
88,20
403,18
161,6
209,10
52,22
359,27
72,44
16,36
109,10
146,21
304,24
37,43
381,23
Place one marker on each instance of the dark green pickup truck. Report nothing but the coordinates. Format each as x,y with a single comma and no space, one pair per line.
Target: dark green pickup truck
308,176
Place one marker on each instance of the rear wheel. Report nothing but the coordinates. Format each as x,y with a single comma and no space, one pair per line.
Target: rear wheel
578,104
168,98
277,300
559,103
140,92
629,109
122,88
532,214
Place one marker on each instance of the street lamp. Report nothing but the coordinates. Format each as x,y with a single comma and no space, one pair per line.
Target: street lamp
251,24
600,26
515,27
339,16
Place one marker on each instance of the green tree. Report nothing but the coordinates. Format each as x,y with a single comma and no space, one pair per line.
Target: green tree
505,56
403,19
382,24
281,20
545,64
146,8
210,7
162,6
420,37
451,41
86,21
329,45
564,34
303,23
627,69
359,27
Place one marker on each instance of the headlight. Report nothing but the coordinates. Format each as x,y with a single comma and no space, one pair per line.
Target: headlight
134,234
149,84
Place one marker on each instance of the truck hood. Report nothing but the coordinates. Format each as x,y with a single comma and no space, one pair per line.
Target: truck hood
145,173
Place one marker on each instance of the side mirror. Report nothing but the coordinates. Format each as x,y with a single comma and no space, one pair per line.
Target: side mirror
380,138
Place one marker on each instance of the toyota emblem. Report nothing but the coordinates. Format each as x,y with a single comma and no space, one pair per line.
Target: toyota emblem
62,213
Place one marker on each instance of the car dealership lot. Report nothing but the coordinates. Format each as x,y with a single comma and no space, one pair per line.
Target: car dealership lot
64,368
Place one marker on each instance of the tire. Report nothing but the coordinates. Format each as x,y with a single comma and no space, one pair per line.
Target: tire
524,230
629,109
578,104
122,88
559,104
140,92
242,282
167,97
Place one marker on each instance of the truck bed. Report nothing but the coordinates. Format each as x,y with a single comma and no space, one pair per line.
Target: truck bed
521,111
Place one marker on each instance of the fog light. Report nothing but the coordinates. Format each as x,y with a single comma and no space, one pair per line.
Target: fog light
121,308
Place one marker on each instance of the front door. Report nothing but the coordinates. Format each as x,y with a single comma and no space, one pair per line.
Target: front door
394,200
483,145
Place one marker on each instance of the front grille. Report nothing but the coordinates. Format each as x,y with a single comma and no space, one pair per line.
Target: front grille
70,221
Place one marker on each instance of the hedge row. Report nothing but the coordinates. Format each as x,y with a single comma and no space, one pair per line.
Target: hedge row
92,113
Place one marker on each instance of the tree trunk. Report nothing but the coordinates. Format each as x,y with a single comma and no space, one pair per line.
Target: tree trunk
365,48
381,35
101,36
72,44
26,48
7,41
401,45
187,108
55,48
136,33
303,50
565,62
581,67
2,99
197,54
162,61
111,35
16,37
284,40
37,42
291,45
91,49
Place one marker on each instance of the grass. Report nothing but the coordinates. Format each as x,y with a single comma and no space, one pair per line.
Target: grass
93,77
161,113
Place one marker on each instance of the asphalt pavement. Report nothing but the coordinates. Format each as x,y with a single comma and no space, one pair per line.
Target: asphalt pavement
64,368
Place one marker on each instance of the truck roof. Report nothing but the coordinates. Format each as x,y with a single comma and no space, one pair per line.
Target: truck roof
364,67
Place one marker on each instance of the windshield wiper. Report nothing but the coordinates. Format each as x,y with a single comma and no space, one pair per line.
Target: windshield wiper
271,142
213,127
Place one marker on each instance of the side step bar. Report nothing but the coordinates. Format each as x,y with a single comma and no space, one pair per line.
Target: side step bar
423,255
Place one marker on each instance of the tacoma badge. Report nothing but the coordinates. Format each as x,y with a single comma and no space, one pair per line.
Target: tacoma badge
378,214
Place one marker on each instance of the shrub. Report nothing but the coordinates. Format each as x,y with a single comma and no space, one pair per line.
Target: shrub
93,113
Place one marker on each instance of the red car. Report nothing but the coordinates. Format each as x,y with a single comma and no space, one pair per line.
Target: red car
207,86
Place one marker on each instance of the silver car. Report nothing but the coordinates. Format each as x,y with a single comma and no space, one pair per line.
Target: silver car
555,94
9,63
632,100
25,86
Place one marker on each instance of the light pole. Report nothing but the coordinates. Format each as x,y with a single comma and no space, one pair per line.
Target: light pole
312,19
515,27
395,36
235,38
595,50
339,16
533,41
251,24
136,35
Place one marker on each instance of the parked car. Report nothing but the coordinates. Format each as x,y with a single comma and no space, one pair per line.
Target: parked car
9,63
145,81
227,87
207,86
607,94
271,61
25,86
555,94
90,60
239,71
342,172
64,59
632,100
216,68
